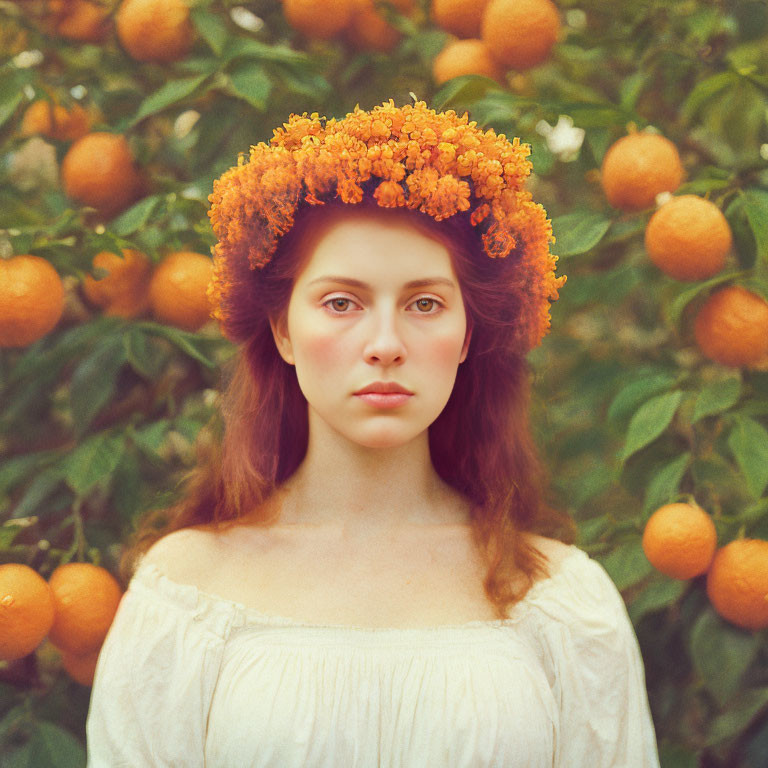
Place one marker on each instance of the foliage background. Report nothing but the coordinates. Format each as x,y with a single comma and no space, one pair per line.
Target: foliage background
99,418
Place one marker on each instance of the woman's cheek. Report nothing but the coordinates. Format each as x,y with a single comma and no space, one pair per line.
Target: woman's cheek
445,350
324,350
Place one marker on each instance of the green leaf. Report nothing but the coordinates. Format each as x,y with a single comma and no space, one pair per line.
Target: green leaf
135,217
14,470
463,90
627,564
632,87
578,232
636,392
8,106
92,461
251,83
189,343
93,381
144,357
170,93
756,208
243,46
659,593
8,532
591,530
127,485
748,441
721,654
663,486
706,90
211,28
716,397
736,720
52,746
649,421
42,487
674,310
677,756
151,437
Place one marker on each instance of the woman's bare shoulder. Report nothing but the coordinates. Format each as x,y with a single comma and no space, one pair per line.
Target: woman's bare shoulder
183,554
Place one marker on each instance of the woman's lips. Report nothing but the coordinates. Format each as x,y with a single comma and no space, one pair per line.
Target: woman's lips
384,400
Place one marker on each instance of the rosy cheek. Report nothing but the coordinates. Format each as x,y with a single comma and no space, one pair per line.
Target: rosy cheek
444,351
324,350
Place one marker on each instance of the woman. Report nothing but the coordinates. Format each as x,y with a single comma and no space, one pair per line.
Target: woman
363,580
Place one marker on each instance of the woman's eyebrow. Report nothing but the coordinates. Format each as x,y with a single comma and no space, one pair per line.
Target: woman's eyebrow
360,284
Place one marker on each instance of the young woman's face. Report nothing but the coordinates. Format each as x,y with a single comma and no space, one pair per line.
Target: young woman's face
342,337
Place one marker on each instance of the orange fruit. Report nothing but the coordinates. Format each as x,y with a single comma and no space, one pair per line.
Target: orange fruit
177,291
31,299
319,21
26,610
55,121
737,583
462,18
520,33
155,30
731,327
80,20
99,170
125,290
86,598
368,30
464,57
81,667
638,167
680,540
688,238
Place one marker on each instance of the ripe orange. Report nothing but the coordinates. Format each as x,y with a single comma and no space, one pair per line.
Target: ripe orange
155,30
319,21
464,57
26,610
462,18
637,167
520,33
80,20
86,598
679,540
731,327
737,583
369,30
99,170
55,121
125,290
81,667
177,291
688,238
31,299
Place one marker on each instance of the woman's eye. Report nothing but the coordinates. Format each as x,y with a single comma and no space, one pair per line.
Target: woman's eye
416,301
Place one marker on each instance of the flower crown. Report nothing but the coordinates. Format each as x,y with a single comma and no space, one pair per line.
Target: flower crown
412,157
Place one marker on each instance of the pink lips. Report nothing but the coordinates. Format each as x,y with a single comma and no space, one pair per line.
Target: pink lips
382,400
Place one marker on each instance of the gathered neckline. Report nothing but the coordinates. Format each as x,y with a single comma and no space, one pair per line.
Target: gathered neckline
197,598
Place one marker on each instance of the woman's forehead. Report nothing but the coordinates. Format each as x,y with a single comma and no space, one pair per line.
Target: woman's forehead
359,240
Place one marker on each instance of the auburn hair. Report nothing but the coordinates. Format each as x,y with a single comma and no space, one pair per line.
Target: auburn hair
480,444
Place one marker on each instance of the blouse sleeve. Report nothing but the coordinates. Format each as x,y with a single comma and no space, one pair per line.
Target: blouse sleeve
597,674
154,682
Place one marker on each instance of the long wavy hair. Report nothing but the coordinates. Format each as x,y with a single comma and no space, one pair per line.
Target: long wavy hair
480,444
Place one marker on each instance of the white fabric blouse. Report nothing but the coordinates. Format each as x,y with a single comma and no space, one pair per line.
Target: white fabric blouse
187,679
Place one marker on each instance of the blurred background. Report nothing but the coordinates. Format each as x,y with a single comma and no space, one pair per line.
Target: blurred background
648,127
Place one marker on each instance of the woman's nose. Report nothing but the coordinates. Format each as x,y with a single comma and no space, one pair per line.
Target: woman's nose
385,337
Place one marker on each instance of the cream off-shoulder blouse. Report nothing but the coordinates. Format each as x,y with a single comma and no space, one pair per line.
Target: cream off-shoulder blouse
186,679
